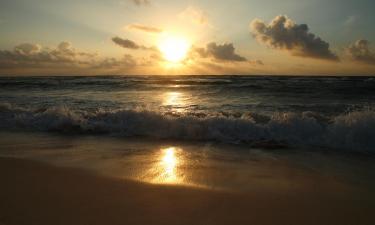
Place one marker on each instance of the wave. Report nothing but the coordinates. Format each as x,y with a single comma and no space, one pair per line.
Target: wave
353,131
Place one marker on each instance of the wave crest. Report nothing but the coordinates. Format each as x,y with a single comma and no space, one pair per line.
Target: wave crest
353,131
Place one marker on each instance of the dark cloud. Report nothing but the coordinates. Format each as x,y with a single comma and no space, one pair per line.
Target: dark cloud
144,28
360,51
224,52
141,2
283,33
126,43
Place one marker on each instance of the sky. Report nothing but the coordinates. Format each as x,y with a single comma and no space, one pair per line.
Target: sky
160,37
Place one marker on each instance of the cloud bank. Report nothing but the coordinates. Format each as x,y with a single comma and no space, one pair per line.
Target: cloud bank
63,56
284,34
360,52
28,54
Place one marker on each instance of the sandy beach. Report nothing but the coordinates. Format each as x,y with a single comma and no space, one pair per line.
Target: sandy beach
36,193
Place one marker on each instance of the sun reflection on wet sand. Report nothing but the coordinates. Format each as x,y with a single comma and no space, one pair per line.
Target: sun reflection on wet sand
169,163
165,171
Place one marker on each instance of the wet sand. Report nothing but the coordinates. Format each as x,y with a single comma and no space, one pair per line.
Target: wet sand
33,193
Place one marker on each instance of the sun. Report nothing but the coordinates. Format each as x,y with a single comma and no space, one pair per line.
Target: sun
174,48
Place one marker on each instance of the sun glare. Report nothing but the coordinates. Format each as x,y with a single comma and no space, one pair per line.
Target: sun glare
174,49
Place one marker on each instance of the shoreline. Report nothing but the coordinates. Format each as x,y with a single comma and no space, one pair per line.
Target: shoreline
38,193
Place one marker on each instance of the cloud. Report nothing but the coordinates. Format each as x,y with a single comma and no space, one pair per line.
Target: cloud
144,28
141,2
126,43
284,34
195,15
27,49
221,52
360,51
224,52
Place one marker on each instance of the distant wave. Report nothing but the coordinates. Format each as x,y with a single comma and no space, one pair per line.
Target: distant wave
353,131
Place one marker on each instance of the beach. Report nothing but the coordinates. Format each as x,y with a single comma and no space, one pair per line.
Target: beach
43,182
37,193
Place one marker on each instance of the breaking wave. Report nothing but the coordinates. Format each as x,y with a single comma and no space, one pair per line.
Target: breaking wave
353,131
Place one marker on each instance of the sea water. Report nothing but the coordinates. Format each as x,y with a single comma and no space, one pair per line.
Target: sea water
222,132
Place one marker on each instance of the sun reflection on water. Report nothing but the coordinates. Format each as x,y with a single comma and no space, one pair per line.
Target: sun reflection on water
173,99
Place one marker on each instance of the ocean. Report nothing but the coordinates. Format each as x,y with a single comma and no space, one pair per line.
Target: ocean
242,133
334,113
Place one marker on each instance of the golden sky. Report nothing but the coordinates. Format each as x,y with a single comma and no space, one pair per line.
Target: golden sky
158,37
